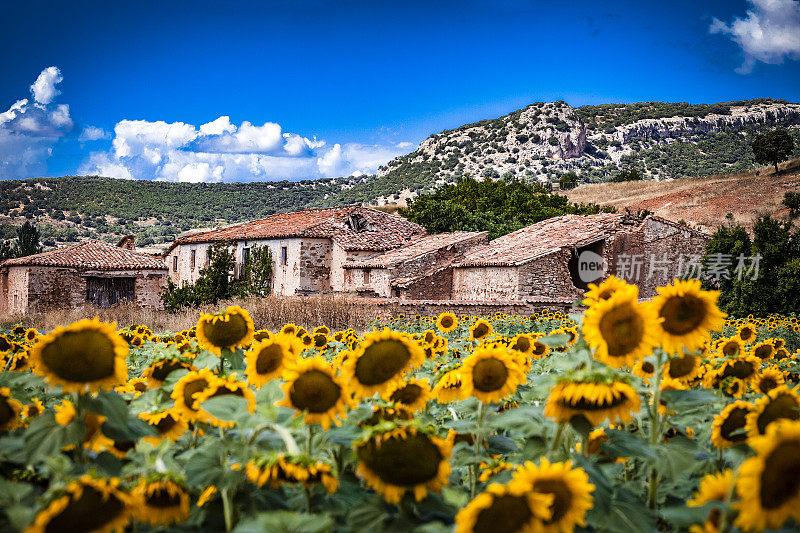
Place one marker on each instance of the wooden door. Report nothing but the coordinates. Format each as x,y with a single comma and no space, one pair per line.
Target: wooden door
107,292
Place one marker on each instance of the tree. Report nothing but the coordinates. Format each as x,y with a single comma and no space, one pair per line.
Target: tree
792,201
27,240
568,181
256,277
773,147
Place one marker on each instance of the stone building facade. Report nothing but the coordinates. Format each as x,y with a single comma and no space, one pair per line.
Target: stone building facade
87,273
419,270
548,260
308,247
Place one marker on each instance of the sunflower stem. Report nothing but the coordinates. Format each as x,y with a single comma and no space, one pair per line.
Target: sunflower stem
655,428
308,498
226,510
478,444
291,445
309,439
556,444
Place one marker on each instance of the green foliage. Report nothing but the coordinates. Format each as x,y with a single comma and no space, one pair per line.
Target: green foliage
498,207
792,201
773,147
627,174
568,181
257,272
26,243
776,289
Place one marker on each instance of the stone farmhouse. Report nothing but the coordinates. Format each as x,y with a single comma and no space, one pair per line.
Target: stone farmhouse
90,272
309,247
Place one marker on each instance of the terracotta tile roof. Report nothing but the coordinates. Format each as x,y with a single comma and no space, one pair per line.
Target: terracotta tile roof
541,239
417,247
678,225
91,255
383,231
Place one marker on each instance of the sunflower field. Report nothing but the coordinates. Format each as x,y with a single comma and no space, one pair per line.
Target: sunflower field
663,415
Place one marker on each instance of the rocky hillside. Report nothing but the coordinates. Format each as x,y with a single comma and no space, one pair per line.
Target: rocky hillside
546,140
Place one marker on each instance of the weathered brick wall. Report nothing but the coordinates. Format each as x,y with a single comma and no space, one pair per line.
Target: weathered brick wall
379,281
54,288
148,288
485,283
338,257
547,276
437,286
434,260
315,265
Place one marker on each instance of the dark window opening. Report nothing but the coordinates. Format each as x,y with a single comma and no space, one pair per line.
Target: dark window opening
284,255
193,259
107,292
586,265
366,276
175,263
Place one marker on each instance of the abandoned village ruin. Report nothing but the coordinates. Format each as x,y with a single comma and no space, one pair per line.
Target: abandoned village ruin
370,254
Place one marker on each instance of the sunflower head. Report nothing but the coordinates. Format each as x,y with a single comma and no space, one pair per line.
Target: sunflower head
401,459
689,315
746,332
188,389
491,374
768,379
596,397
505,508
161,500
380,361
86,354
480,329
160,368
227,329
781,403
447,322
168,422
313,389
411,394
223,387
10,410
603,291
449,387
728,426
268,359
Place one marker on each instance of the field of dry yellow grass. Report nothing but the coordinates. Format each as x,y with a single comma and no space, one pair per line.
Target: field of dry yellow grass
702,202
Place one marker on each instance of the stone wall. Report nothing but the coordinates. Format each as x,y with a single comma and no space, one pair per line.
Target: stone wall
485,283
338,258
547,276
315,265
437,286
14,290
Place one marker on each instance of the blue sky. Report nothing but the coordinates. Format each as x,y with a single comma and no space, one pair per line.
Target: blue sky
238,91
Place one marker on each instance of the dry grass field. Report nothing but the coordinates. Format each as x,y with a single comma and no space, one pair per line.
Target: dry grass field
703,202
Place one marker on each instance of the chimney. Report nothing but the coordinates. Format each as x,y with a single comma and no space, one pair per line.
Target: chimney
127,242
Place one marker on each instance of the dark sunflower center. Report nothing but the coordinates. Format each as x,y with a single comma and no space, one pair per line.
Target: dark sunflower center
381,361
480,331
4,344
224,334
767,384
314,391
605,295
80,356
320,340
165,368
763,351
739,369
192,388
162,498
124,445
407,395
539,348
88,513
166,424
140,386
523,344
403,462
783,406
781,353
730,349
780,479
269,359
489,374
680,366
562,497
6,412
649,368
735,421
622,328
507,514
746,334
447,321
682,314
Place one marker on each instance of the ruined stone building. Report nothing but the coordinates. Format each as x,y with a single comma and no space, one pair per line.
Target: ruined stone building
308,247
419,270
543,262
90,272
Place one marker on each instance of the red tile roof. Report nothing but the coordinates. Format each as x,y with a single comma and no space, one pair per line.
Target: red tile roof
542,238
417,247
91,255
383,232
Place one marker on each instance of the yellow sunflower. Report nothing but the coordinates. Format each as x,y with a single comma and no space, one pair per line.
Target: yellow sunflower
597,401
731,347
480,329
404,459
768,379
87,354
689,315
523,343
621,330
223,387
778,404
569,487
88,504
169,424
504,508
447,322
274,470
490,374
728,426
763,350
539,350
10,410
714,487
261,335
380,361
160,501
313,389
449,387
603,291
187,390
769,483
157,372
31,410
268,359
413,394
225,330
684,368
746,332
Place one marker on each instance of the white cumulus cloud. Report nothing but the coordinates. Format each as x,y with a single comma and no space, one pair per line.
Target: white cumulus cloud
29,130
93,133
769,33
